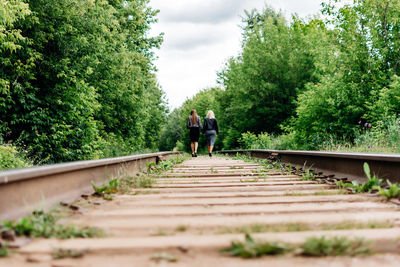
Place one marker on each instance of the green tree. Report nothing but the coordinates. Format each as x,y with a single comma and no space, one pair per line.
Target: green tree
366,56
262,83
81,79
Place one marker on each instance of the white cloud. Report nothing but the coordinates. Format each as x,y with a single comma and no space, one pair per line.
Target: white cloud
200,35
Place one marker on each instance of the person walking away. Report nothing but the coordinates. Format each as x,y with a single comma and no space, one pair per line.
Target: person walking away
211,130
194,126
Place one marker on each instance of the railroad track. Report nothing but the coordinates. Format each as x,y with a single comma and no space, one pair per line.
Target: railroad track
198,208
24,190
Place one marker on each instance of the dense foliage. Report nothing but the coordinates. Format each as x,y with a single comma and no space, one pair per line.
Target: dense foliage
77,79
314,83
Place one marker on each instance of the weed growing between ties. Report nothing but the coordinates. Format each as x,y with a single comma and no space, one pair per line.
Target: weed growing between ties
299,227
107,189
251,248
373,182
62,253
40,224
164,257
314,247
393,190
3,250
181,228
317,193
125,183
308,175
160,232
336,246
263,228
213,170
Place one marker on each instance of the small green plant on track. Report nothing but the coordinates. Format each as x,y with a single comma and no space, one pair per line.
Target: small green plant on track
107,189
373,182
46,225
62,253
308,175
255,180
160,232
164,257
3,250
251,248
125,183
392,192
165,165
313,247
300,227
213,170
245,157
181,228
322,246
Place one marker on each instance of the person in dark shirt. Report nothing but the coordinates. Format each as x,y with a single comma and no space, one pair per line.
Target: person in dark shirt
194,126
211,130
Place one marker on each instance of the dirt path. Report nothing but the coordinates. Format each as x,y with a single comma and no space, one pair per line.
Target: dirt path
203,204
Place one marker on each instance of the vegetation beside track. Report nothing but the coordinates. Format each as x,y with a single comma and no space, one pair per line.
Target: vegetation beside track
126,184
373,184
40,224
327,82
314,247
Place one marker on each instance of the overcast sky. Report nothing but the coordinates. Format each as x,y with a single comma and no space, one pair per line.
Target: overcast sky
200,35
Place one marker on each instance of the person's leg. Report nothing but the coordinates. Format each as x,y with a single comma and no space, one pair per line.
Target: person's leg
192,147
208,147
211,143
196,145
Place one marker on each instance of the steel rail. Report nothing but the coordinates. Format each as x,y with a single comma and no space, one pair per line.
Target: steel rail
23,190
349,165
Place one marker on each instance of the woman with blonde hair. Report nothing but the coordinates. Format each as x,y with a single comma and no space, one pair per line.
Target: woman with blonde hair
211,130
194,126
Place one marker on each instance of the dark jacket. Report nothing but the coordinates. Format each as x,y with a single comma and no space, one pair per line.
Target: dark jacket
210,124
190,124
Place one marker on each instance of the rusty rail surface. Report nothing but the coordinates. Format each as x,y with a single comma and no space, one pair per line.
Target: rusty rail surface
348,165
23,190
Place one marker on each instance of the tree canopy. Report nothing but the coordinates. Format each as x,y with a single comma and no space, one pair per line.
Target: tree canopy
312,80
77,78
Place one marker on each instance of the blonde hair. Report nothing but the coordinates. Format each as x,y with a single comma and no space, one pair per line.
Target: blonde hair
210,114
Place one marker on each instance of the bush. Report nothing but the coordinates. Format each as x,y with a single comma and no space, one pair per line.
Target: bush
380,137
10,158
267,141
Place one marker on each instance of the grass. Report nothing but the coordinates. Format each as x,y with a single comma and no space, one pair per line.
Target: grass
164,257
160,232
181,228
336,246
212,170
62,253
308,175
255,180
3,250
299,227
329,193
125,183
392,192
313,247
317,193
107,189
373,182
40,224
262,228
356,225
251,248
